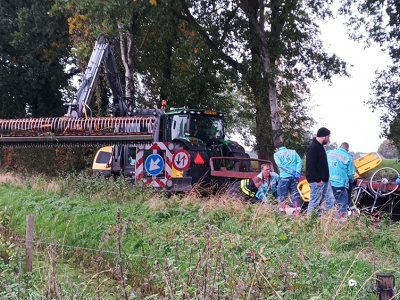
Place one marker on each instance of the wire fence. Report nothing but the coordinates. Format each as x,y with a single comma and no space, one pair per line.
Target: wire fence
385,288
37,242
205,260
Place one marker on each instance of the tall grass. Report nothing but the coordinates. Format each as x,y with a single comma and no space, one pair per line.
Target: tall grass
111,240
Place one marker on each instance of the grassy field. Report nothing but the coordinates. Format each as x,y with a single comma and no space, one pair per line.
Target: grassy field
393,163
390,163
100,239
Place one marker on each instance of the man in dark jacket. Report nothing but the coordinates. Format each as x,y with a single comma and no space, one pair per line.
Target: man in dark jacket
317,172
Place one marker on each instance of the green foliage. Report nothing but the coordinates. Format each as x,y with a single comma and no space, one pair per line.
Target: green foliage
181,245
388,150
394,163
34,46
11,287
193,61
48,161
7,247
284,52
39,161
295,127
165,58
115,189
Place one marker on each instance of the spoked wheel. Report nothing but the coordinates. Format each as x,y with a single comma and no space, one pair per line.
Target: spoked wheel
382,182
354,201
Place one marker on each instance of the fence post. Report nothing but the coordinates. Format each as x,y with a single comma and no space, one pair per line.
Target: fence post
385,286
29,242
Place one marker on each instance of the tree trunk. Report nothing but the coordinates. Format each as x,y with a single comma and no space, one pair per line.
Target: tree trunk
267,117
272,92
167,71
127,55
264,133
275,116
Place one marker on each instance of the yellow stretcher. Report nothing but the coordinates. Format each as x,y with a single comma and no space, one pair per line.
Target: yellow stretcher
362,164
366,163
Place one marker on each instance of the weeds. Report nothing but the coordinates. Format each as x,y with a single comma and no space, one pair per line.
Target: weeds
182,246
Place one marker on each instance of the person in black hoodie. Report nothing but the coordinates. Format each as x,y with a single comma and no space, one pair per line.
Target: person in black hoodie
317,173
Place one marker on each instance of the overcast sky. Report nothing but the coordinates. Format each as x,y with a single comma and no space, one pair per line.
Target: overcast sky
340,106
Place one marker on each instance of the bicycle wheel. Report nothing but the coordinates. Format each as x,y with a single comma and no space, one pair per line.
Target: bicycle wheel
382,182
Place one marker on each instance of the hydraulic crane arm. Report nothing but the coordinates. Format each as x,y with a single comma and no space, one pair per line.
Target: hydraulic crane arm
102,53
77,127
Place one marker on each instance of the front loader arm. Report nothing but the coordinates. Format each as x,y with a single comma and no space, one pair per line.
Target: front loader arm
78,127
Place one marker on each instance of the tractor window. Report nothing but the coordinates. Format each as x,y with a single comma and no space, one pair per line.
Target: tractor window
178,126
132,155
217,128
207,127
103,157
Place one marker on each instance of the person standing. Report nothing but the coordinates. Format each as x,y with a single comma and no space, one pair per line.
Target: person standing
289,164
317,173
341,171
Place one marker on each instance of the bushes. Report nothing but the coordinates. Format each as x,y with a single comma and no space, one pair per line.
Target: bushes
47,161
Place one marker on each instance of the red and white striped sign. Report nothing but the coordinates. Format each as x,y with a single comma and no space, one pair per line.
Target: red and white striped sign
154,182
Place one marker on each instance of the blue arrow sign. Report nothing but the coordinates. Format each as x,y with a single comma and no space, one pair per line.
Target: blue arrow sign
154,164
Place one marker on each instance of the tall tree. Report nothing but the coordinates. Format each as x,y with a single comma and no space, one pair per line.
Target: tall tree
189,49
388,150
274,47
161,59
33,48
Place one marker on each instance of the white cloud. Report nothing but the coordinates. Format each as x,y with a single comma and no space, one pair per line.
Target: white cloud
341,106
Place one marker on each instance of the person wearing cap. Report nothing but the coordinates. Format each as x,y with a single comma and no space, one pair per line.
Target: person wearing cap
317,173
289,164
341,175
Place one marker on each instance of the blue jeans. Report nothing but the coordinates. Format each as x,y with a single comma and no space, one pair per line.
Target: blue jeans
342,199
321,194
286,185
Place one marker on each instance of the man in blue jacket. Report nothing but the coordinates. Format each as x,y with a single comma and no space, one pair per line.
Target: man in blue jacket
269,184
341,174
289,164
270,181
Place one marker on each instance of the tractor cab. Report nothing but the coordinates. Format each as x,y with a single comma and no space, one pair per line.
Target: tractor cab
199,126
205,125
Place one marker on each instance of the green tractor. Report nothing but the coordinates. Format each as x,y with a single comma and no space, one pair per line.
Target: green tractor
190,147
